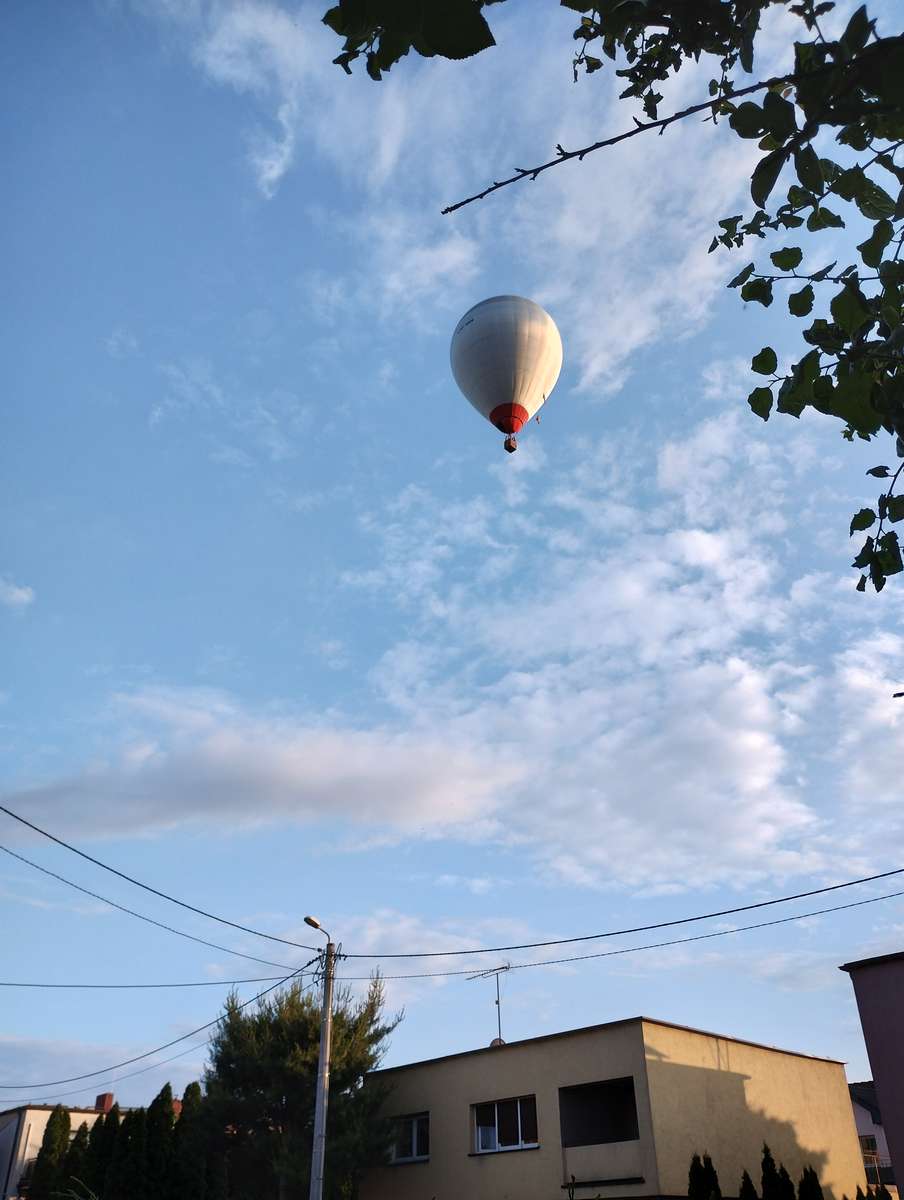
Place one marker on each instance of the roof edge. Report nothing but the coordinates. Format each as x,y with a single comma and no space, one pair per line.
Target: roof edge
564,1033
895,956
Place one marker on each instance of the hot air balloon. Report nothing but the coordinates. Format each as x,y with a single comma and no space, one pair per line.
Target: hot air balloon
506,356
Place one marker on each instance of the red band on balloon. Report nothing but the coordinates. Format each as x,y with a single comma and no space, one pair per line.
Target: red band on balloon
509,418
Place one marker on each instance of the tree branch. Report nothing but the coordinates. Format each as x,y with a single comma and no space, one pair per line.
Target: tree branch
639,127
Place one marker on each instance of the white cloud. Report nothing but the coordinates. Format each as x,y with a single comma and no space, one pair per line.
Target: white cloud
203,758
16,596
625,707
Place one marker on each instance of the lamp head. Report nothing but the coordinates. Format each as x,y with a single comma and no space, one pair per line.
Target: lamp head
313,922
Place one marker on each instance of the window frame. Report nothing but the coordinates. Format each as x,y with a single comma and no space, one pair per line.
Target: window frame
497,1149
412,1120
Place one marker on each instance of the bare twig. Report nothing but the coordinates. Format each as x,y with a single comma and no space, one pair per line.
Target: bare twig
639,127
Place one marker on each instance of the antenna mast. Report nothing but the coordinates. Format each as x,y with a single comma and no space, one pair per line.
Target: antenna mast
494,971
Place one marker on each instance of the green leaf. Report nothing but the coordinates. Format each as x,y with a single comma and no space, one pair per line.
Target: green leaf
765,362
800,303
809,171
854,37
759,290
851,402
889,554
793,397
861,584
787,259
879,472
765,175
895,509
849,309
862,520
872,249
456,30
873,201
778,115
335,19
865,555
747,120
742,276
760,400
823,218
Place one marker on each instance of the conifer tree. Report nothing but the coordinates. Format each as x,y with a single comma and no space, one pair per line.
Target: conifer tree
100,1166
809,1187
261,1086
73,1170
785,1184
93,1178
117,1181
747,1191
49,1164
137,1158
711,1180
770,1187
160,1120
696,1179
189,1161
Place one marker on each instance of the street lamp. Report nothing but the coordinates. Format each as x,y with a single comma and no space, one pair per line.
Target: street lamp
323,1065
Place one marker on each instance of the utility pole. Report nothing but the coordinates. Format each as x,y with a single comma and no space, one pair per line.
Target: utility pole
323,1066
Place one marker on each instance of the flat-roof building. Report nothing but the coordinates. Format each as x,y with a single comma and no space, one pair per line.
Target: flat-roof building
614,1110
879,988
22,1131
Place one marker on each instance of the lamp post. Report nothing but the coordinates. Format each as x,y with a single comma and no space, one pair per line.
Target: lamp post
323,1066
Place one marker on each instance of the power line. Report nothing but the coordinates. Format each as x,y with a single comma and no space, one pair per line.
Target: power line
700,937
147,887
117,1078
89,1087
141,916
137,986
8,1087
591,937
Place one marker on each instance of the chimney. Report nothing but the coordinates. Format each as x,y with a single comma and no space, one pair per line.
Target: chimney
104,1102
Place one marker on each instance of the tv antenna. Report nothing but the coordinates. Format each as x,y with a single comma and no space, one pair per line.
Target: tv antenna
494,971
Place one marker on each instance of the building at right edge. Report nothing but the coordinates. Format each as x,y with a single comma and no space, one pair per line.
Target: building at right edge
615,1111
879,988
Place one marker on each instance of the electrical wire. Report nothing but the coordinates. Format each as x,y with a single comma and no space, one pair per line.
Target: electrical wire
141,916
138,986
7,1087
700,937
118,1078
591,937
147,887
25,1101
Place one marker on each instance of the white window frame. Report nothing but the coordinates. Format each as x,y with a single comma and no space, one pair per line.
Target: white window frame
412,1120
497,1149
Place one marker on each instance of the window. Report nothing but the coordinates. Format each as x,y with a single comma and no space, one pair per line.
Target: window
505,1124
412,1138
592,1114
868,1143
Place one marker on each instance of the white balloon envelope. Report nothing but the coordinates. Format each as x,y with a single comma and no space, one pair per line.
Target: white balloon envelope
506,356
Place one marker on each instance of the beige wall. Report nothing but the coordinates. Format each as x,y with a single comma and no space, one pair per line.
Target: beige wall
693,1092
450,1087
726,1098
28,1143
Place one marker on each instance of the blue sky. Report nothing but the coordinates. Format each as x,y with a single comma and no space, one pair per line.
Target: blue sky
285,630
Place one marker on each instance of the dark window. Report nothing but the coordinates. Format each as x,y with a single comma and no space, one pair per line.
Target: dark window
505,1124
594,1113
412,1138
